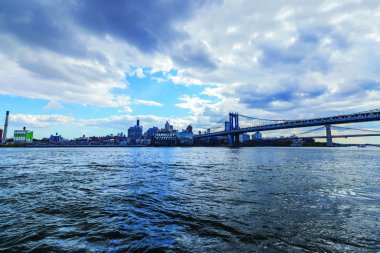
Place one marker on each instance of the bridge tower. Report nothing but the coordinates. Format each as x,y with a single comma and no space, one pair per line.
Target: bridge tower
329,142
233,125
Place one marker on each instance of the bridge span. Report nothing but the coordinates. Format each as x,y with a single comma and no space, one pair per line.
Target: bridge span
235,124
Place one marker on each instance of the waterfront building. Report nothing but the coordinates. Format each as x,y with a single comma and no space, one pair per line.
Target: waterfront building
56,138
150,133
1,135
166,138
82,140
135,132
23,136
145,142
257,136
186,137
244,138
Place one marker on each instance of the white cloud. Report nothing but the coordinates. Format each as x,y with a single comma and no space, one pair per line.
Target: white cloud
147,102
140,73
39,123
53,104
243,49
196,105
43,120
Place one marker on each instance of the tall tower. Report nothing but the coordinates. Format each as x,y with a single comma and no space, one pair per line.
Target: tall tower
5,128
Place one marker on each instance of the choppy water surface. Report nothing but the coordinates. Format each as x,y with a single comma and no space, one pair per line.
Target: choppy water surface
190,199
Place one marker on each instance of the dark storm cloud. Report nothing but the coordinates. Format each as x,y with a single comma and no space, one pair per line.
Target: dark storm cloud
306,50
189,56
39,24
148,25
61,27
286,90
357,88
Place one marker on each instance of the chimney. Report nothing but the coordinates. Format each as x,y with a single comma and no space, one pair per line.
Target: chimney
5,128
138,122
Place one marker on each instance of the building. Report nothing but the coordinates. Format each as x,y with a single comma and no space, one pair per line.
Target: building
244,138
82,140
23,136
56,138
257,136
1,134
166,138
189,128
185,137
150,133
135,132
167,126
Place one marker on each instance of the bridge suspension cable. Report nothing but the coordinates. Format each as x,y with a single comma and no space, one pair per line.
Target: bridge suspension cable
316,129
358,129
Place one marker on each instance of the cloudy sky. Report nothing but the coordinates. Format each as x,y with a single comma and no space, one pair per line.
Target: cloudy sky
93,67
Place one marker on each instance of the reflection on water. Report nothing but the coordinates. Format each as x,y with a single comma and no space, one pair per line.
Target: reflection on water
190,199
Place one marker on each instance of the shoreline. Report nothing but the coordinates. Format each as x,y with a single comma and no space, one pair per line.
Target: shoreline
152,146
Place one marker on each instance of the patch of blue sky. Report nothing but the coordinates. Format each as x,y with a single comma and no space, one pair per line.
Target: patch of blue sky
157,87
22,105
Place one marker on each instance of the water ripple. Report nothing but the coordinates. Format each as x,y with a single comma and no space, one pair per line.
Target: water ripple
189,200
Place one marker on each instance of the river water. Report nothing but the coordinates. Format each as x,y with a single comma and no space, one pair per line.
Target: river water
190,199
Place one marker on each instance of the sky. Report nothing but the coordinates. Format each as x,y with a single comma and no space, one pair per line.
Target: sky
94,67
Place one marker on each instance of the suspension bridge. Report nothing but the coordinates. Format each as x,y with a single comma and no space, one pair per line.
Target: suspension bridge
235,124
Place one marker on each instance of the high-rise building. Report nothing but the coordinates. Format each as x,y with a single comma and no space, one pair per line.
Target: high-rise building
135,132
167,126
257,136
189,128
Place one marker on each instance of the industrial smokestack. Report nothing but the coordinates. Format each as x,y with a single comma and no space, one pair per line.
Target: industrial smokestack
5,128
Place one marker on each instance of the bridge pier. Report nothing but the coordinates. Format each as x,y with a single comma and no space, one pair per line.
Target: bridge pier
234,139
329,142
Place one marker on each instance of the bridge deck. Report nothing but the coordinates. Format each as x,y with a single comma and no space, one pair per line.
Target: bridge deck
342,119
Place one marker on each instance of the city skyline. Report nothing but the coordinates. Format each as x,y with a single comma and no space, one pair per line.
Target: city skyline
189,62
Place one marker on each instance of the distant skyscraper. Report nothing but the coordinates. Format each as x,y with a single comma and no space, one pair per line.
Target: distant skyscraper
135,132
167,126
257,136
189,128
